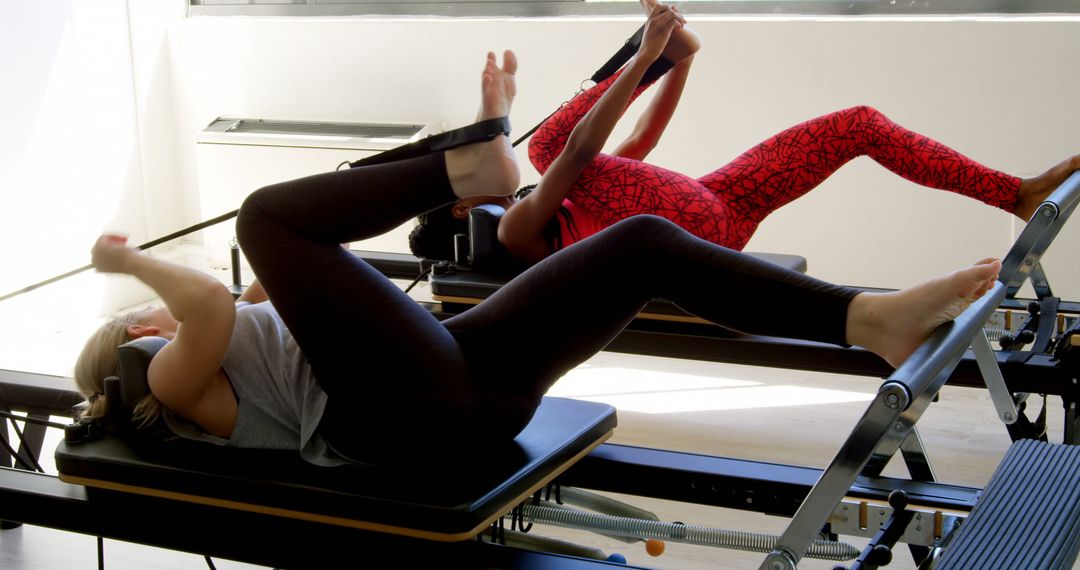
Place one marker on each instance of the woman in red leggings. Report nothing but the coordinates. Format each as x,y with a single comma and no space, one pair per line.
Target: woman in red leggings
724,206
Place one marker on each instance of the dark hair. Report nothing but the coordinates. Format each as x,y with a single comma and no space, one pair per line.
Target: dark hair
524,191
433,236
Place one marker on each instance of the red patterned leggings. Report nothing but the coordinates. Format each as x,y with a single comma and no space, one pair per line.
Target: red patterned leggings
726,205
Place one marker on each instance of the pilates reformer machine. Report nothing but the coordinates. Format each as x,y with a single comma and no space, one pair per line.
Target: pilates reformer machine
477,510
187,496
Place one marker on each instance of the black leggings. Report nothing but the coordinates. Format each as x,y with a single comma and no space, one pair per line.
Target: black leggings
388,365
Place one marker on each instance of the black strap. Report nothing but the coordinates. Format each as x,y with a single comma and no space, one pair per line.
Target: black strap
147,245
622,56
627,51
476,132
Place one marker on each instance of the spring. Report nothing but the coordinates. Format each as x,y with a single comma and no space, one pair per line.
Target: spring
602,504
675,532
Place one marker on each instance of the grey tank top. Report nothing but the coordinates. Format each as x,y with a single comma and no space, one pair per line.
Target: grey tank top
280,402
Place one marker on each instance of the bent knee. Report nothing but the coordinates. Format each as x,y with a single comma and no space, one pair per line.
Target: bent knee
647,228
253,215
864,113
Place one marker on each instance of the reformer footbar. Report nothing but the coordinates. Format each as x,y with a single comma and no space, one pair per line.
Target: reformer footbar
888,425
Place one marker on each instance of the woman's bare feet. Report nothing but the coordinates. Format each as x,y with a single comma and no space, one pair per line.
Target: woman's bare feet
683,42
892,325
488,168
1034,190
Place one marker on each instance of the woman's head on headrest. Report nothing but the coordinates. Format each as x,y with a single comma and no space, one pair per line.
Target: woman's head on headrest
433,236
98,359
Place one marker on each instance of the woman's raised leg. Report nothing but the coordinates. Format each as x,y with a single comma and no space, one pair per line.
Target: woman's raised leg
798,159
336,305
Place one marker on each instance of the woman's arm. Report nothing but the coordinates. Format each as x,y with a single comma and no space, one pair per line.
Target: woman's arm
654,120
182,375
521,228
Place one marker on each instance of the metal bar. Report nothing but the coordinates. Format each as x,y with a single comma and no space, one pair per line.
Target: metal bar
995,382
6,460
33,440
1040,283
883,427
916,458
755,486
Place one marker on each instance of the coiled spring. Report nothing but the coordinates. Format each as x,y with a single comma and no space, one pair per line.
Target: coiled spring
551,514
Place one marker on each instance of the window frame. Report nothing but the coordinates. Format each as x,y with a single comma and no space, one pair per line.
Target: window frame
556,8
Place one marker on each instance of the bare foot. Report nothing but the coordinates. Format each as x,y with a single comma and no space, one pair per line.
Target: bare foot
683,42
892,325
1034,190
488,168
497,86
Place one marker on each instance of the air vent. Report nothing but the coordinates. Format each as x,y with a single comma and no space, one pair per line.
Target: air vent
309,134
363,130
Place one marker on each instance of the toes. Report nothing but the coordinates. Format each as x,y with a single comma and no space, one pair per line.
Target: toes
509,62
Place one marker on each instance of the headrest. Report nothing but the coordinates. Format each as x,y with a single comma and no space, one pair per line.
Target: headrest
132,386
122,392
486,254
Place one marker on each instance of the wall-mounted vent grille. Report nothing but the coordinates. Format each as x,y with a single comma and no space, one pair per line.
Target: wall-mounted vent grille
310,134
362,130
238,155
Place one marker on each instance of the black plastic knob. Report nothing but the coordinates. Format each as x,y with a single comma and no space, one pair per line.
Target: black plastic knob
880,555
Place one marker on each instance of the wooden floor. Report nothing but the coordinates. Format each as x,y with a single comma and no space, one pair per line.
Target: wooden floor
753,413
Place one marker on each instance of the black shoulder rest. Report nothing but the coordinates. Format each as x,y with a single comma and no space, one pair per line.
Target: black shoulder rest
486,254
122,392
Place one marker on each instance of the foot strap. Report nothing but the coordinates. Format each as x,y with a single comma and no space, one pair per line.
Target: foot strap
628,49
477,132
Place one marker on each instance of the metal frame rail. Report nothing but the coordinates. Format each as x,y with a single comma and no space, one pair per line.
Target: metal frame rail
889,422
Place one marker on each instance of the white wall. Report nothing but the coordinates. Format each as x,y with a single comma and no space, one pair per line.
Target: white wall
102,102
70,165
67,90
998,90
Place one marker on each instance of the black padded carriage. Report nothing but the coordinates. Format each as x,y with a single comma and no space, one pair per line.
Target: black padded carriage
443,501
439,502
